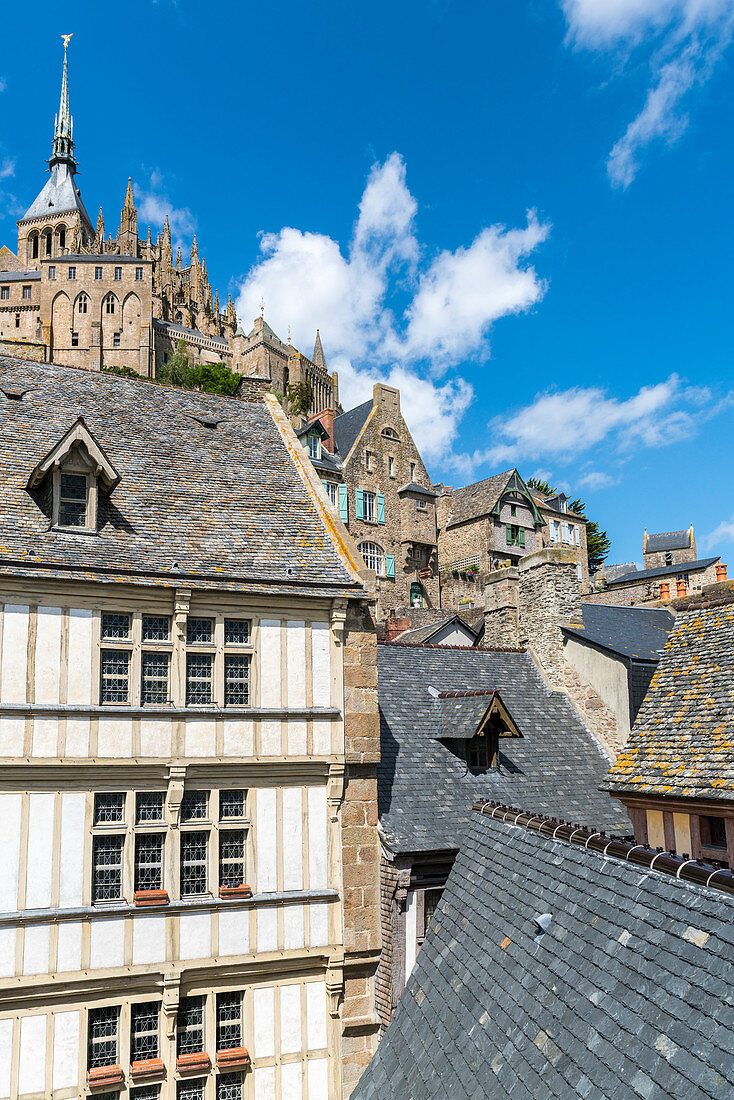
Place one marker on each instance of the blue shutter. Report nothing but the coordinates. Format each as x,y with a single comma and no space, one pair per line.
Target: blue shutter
389,565
343,503
380,508
359,502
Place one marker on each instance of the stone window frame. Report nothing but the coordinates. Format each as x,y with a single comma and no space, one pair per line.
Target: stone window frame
27,292
5,293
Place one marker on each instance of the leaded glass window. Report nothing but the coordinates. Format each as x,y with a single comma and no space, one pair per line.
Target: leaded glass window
199,678
107,867
230,1086
109,807
236,631
236,679
190,1026
114,676
229,1021
194,806
156,628
232,857
149,806
115,626
102,1036
191,1090
149,861
144,1031
193,863
154,677
231,804
145,1092
199,631
73,500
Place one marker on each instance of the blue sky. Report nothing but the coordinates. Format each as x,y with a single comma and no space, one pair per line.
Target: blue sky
519,213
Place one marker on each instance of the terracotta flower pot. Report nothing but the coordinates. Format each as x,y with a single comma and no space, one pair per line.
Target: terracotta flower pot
146,1068
200,1062
236,1056
242,891
143,898
105,1077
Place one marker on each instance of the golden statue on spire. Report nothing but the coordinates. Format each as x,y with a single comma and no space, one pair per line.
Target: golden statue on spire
66,38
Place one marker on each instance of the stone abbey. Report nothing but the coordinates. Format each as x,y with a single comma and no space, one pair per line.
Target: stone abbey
73,295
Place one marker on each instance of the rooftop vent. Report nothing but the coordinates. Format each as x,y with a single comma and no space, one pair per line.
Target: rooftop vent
14,394
542,923
210,422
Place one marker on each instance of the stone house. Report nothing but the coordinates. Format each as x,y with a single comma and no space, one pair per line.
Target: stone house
189,739
668,548
562,527
376,481
458,724
661,583
675,776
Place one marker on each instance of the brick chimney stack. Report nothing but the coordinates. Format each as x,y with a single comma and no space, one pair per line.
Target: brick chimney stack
394,626
326,416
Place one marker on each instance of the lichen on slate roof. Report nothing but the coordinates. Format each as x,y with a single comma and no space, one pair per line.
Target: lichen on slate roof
682,743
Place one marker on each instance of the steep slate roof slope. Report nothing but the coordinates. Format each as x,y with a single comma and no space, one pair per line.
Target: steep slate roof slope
627,995
424,789
668,540
348,426
477,499
638,632
682,743
225,502
662,571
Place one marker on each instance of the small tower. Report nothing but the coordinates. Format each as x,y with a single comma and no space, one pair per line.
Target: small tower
318,358
129,224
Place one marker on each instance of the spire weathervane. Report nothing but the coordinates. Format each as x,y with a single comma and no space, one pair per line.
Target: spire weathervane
66,38
63,147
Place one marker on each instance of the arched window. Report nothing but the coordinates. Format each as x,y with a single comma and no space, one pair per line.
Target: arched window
82,303
373,557
109,303
390,433
62,237
34,246
47,242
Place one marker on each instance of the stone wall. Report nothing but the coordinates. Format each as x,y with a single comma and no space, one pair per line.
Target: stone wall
549,595
360,843
461,593
384,980
600,718
23,349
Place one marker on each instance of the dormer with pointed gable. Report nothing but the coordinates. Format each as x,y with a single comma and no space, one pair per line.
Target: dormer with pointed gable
71,478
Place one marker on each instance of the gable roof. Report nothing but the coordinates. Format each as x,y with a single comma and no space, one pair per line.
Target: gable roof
626,994
662,571
637,632
481,498
80,434
668,540
424,789
348,426
464,714
425,633
681,743
224,503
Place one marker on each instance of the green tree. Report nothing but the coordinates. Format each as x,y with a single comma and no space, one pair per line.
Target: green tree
540,486
175,372
597,541
300,398
123,372
181,371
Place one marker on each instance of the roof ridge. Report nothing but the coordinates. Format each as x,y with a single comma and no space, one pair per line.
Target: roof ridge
463,648
465,694
654,859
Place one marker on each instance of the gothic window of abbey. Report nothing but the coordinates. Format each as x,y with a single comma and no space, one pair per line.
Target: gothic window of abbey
62,237
109,303
34,246
82,303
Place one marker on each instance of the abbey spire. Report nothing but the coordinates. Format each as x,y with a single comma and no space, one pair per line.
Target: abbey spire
63,146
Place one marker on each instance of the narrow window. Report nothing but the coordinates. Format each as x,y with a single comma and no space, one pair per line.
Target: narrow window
47,245
193,863
4,293
421,505
62,238
144,1031
83,303
115,340
107,868
368,461
190,1026
199,678
194,806
26,292
72,273
149,861
154,677
236,679
98,273
114,676
412,471
35,246
431,899
109,303
73,500
191,1090
236,631
232,857
391,466
369,506
231,804
17,320
229,1021
149,806
102,1036
313,446
75,339
230,1086
52,272
138,274
118,274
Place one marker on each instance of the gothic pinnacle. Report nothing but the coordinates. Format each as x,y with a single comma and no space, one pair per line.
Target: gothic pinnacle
63,146
129,195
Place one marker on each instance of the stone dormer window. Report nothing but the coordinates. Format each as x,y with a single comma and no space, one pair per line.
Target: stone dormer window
73,474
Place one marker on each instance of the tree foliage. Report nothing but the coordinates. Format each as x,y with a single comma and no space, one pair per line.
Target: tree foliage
300,398
180,370
123,372
597,541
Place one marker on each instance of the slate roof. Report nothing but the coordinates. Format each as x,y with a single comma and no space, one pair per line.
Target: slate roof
637,632
348,426
414,487
58,195
461,713
612,572
627,995
425,633
19,276
663,571
192,501
668,540
424,789
477,499
682,744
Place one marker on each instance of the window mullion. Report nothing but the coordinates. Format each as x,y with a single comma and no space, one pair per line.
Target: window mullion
137,633
218,674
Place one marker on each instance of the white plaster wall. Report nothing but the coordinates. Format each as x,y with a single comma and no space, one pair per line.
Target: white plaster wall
79,687
316,1014
155,737
234,931
32,1054
70,945
66,1050
45,737
40,850
149,939
200,737
265,1083
291,1081
48,654
267,928
71,880
296,658
322,737
606,674
271,737
77,738
115,738
317,837
270,680
7,952
318,1077
15,653
12,736
194,935
290,1019
107,943
263,1008
238,737
10,807
297,736
293,937
292,838
267,864
6,1047
36,949
319,923
321,653
453,635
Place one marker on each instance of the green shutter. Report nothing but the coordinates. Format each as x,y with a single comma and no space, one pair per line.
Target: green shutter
380,508
508,534
359,503
343,503
522,536
389,565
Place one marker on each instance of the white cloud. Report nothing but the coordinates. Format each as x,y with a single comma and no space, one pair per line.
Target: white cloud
565,424
3,84
154,204
686,38
7,168
383,307
723,533
596,479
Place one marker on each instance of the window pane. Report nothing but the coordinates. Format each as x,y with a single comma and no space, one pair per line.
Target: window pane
148,806
236,679
369,506
145,1092
199,677
229,1020
115,626
199,630
149,861
109,807
114,675
193,863
232,857
231,804
230,1086
191,1090
107,868
193,806
154,685
102,1037
144,1031
156,628
236,631
73,500
190,1026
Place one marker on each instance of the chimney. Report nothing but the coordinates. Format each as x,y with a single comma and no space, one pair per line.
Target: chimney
326,416
720,572
664,590
681,587
394,626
